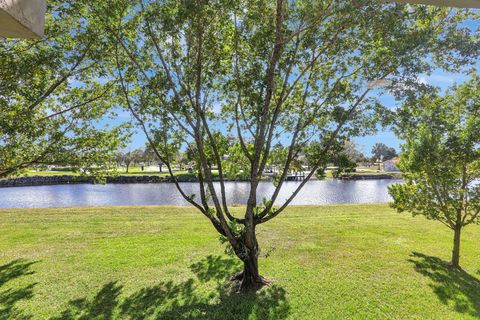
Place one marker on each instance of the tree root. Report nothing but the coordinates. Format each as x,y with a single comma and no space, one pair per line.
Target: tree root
242,284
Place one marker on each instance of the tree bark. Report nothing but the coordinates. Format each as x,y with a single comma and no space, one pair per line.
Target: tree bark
456,248
249,279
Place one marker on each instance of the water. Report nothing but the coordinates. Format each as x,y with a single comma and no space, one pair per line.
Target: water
313,193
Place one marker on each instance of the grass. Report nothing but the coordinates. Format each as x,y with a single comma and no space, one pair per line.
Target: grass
329,173
137,171
133,171
50,173
329,262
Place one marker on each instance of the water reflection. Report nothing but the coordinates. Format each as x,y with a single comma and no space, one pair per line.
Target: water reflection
314,192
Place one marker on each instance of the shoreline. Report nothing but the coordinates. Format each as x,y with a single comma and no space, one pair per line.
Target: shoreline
71,179
88,208
122,179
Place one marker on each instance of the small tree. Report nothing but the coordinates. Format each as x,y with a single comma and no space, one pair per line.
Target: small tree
441,159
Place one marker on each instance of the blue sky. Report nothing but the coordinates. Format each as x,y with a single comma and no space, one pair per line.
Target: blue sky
385,135
438,78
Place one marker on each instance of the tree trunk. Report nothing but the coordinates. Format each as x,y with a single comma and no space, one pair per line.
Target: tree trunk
127,167
160,167
249,279
456,248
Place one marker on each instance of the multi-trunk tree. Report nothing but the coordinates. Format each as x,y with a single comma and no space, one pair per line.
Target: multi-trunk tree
52,95
264,72
130,157
441,159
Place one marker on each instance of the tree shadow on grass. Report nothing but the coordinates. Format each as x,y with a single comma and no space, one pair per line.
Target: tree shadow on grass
184,300
102,306
215,268
11,296
452,286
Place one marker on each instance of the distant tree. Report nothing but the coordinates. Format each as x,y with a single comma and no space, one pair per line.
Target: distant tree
181,160
149,155
441,159
383,152
277,156
342,155
234,163
131,157
118,158
344,164
51,98
296,70
390,154
350,149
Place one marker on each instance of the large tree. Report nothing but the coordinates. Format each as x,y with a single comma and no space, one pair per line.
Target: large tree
265,71
52,95
441,159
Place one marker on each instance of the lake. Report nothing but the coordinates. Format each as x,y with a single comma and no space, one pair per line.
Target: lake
313,193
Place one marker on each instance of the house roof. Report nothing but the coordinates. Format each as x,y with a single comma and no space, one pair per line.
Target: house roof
393,160
22,18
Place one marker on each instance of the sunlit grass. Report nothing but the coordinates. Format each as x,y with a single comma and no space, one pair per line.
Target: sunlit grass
133,171
329,262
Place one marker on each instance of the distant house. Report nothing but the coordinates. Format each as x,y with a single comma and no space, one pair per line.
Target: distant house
391,165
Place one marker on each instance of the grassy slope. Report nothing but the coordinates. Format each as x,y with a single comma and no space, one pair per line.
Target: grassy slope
331,262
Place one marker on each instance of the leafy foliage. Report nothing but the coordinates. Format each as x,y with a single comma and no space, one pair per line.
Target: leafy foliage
268,70
52,100
441,158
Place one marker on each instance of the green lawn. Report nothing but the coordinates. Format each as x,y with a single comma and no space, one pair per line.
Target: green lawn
50,173
330,262
134,171
328,173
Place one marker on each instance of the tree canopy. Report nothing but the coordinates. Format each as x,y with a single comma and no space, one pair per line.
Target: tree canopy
53,93
264,71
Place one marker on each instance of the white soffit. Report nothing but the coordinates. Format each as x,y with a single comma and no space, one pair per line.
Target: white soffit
443,3
22,18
